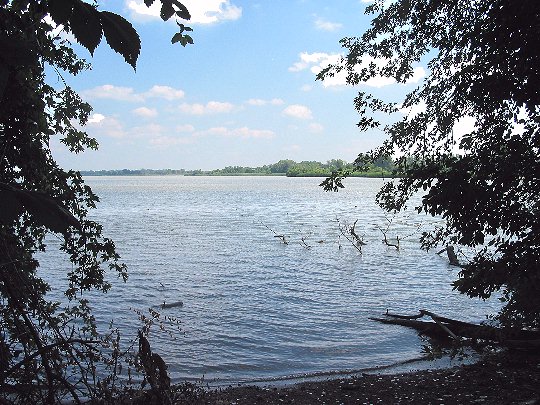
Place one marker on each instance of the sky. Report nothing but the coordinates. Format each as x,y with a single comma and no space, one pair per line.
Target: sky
244,94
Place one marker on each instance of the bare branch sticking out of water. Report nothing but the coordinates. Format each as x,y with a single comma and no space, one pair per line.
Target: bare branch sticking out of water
276,235
452,257
304,244
384,231
349,233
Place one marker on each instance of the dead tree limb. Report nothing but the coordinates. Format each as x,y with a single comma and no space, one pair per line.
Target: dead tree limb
452,257
441,327
385,240
358,239
350,234
276,235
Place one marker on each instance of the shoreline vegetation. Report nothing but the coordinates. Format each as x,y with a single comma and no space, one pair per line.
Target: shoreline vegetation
500,377
289,168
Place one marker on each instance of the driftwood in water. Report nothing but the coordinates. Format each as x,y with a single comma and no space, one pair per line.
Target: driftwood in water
452,256
445,328
172,304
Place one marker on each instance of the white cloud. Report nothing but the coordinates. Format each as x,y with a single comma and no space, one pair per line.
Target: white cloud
316,60
306,87
195,109
147,131
518,126
256,101
218,107
243,132
298,111
340,78
465,125
111,92
379,81
185,128
261,102
246,132
166,92
119,93
418,74
212,107
168,141
96,118
58,30
202,12
145,112
215,131
327,25
99,124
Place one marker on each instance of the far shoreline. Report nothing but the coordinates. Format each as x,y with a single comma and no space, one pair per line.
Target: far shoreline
135,173
285,167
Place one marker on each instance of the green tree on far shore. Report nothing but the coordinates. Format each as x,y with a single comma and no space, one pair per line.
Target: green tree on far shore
483,64
49,352
290,168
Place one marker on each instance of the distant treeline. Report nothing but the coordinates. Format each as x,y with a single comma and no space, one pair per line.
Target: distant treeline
287,167
136,172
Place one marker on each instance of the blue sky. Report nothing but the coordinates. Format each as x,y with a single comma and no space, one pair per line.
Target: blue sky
244,94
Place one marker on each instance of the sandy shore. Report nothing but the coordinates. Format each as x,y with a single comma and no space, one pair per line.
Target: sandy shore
509,378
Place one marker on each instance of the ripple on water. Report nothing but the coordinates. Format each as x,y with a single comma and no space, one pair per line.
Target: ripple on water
254,307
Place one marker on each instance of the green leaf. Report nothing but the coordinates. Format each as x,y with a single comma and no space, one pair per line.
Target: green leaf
85,25
187,40
183,39
182,11
60,10
148,2
167,10
121,36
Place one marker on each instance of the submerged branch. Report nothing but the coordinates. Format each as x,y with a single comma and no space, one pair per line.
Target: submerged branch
441,327
350,234
276,235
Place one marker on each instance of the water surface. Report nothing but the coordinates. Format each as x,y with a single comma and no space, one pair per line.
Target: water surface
254,307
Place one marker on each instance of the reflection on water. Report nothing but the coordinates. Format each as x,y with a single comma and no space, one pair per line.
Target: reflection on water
255,308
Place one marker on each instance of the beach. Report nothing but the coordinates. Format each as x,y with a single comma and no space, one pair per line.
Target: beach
502,378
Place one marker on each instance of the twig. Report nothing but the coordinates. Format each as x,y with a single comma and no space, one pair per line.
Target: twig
304,244
276,235
359,240
385,240
356,242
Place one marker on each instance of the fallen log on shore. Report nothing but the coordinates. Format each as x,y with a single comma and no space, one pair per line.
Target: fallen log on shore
446,328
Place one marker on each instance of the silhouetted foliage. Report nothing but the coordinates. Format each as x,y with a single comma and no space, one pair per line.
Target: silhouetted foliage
49,350
484,66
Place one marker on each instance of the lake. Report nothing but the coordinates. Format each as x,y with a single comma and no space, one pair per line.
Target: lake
254,307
